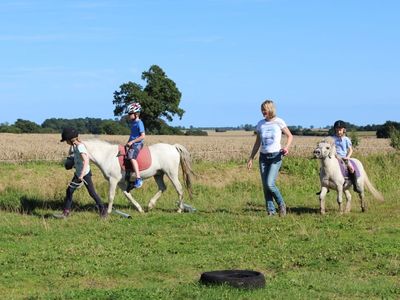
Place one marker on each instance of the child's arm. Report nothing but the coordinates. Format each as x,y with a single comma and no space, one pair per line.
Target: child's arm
138,139
349,152
85,160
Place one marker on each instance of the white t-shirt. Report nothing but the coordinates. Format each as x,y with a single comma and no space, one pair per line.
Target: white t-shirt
78,159
270,133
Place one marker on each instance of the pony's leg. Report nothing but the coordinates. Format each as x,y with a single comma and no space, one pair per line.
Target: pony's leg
134,202
178,187
122,186
161,188
322,195
364,205
340,197
111,192
348,202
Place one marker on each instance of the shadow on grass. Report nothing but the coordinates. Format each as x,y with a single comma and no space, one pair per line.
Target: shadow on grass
301,210
30,205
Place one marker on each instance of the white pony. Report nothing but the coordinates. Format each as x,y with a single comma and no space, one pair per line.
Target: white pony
331,177
166,159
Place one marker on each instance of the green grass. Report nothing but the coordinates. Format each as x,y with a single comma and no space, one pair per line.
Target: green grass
161,254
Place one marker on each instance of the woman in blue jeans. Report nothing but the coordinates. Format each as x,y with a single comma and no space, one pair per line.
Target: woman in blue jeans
268,141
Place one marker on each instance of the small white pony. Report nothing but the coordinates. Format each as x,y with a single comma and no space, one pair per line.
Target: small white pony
166,159
331,177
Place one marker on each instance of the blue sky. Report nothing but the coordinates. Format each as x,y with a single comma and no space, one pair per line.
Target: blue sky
318,60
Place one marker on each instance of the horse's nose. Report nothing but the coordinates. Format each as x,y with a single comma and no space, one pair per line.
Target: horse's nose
317,152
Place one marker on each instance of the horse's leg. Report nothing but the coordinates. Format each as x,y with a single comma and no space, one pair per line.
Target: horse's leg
364,205
161,188
348,203
340,197
134,202
111,192
122,186
322,195
178,187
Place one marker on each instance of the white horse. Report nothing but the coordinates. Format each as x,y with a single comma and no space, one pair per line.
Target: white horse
331,177
166,159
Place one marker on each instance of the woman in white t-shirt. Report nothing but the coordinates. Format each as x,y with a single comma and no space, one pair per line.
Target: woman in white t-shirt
268,141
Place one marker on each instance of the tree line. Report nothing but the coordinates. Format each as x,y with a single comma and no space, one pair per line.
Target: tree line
381,130
120,127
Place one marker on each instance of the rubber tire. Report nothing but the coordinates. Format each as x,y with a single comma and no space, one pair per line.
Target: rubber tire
243,279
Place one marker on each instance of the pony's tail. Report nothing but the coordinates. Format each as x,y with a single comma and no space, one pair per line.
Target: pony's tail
186,166
372,189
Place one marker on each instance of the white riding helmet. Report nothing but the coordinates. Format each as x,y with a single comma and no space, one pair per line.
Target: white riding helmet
134,108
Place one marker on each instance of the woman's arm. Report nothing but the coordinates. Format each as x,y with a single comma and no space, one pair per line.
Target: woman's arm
254,151
289,136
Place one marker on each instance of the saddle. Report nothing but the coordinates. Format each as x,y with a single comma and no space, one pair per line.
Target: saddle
143,159
350,177
345,171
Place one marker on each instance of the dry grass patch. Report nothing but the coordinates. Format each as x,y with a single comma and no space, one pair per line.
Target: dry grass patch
217,147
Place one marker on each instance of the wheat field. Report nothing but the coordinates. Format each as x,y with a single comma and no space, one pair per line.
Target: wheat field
216,147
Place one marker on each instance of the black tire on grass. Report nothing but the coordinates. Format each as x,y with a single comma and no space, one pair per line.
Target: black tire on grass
245,279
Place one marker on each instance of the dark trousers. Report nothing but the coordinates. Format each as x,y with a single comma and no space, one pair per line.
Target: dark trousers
74,184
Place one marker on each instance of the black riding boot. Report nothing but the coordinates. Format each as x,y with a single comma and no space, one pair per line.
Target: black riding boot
353,179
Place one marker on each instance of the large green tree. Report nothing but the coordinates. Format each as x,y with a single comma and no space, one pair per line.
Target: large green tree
160,99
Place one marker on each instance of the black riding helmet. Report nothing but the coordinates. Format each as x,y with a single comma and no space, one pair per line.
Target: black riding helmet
68,134
339,124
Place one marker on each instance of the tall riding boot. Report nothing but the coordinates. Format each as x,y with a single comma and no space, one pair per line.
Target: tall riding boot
127,176
353,179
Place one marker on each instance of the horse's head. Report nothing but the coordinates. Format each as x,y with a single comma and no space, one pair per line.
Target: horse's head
324,149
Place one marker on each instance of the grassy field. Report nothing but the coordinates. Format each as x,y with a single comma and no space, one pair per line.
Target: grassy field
161,254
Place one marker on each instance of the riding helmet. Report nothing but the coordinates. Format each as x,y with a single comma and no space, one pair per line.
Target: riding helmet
134,108
68,134
339,124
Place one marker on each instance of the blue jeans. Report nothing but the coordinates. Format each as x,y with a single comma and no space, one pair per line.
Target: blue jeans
134,150
270,164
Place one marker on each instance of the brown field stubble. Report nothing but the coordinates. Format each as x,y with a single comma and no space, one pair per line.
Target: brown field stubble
216,147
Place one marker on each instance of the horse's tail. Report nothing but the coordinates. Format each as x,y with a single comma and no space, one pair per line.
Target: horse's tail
186,166
372,189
